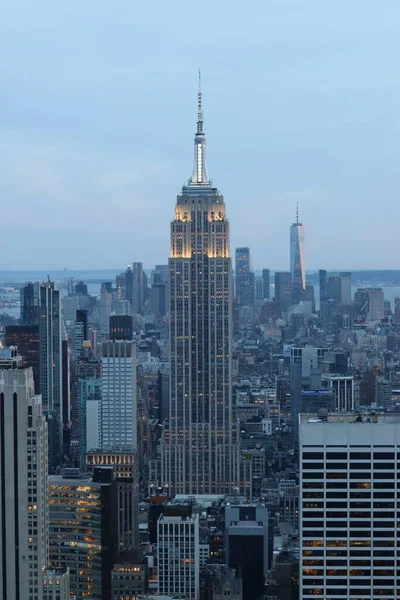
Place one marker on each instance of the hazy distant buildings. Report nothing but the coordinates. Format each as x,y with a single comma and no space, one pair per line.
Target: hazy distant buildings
139,284
345,288
323,291
397,310
244,278
266,283
200,449
283,290
81,289
297,260
370,303
105,309
50,365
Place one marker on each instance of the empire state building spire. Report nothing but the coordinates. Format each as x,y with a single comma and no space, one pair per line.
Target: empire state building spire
200,176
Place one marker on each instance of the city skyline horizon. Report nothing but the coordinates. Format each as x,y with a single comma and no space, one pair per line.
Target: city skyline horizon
314,120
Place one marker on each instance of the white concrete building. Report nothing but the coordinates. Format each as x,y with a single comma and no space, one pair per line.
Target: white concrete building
178,557
23,487
349,484
119,396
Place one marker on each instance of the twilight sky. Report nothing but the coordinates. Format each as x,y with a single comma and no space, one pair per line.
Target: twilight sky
98,111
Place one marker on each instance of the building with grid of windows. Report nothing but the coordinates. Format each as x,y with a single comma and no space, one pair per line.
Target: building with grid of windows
118,397
83,529
23,485
178,557
56,585
200,447
349,502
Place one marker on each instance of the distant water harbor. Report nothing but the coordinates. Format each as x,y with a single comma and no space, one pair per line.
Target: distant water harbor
9,300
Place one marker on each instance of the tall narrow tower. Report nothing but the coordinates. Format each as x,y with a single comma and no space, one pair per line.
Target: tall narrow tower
297,259
201,446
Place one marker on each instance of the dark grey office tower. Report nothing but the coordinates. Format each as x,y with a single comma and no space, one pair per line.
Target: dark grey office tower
334,289
50,365
266,283
323,290
82,317
246,539
244,278
30,301
81,289
121,327
26,338
158,302
283,290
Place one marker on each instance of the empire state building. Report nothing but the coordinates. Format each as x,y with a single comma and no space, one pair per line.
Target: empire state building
200,446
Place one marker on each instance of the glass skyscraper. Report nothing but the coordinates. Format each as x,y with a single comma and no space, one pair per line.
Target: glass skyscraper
297,260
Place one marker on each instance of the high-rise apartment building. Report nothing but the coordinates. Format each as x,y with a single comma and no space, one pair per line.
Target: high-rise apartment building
297,259
119,396
178,557
244,278
200,448
23,486
348,494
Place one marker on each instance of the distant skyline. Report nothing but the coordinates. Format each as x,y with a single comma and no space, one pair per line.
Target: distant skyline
98,111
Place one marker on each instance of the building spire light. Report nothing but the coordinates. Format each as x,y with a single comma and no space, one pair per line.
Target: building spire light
200,176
